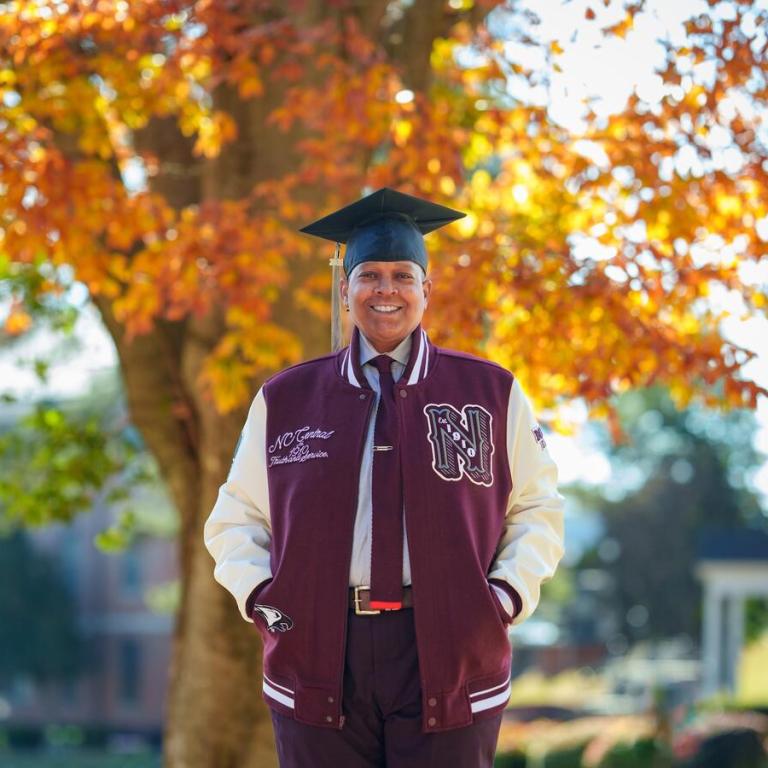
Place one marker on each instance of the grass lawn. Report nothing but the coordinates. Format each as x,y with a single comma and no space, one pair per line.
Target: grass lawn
72,759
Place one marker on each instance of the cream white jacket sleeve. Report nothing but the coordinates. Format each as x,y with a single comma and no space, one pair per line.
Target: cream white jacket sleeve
532,544
238,531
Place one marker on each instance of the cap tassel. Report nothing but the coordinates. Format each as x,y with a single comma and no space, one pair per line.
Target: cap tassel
336,332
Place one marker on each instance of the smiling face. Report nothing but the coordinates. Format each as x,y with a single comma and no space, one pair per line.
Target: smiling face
386,300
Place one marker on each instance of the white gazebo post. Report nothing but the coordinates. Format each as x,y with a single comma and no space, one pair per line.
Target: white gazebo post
734,638
712,624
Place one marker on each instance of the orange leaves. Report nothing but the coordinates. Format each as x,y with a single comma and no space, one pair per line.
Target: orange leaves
314,296
17,321
584,263
137,308
623,27
556,48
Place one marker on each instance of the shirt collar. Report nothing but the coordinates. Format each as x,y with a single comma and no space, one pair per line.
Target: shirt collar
400,353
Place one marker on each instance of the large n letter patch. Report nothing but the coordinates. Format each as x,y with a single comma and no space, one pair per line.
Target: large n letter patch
461,442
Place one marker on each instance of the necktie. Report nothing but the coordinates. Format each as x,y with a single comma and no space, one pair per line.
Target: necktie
387,529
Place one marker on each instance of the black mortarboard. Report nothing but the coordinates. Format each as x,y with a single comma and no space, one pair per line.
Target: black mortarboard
384,226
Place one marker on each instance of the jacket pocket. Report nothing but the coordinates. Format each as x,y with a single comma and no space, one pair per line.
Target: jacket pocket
501,612
268,613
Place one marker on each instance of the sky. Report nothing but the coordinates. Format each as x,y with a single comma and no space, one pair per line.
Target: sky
590,65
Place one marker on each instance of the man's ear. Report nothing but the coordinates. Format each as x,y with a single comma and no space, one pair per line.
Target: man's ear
344,291
426,287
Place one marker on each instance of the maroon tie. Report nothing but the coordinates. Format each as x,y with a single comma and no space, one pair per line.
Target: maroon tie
387,493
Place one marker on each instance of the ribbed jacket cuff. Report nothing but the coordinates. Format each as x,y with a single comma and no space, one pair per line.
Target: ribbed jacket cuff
254,596
512,592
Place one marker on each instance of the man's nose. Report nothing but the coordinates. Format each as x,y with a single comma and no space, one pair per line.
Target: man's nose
386,285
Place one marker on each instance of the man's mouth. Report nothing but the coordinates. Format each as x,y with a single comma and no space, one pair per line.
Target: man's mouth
385,308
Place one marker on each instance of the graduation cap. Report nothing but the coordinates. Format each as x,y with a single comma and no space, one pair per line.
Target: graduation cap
386,225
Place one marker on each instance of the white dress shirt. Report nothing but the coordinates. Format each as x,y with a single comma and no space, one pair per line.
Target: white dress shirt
360,567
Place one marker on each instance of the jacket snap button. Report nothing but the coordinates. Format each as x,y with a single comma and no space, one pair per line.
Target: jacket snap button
330,699
431,721
432,702
403,393
362,395
328,719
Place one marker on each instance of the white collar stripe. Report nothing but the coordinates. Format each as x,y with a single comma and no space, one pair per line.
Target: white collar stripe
414,377
417,373
426,354
351,377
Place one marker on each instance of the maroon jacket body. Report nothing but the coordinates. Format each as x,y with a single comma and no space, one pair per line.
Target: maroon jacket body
452,411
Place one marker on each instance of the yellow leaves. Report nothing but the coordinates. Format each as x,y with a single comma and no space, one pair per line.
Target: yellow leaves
181,90
173,22
213,132
241,318
228,380
442,54
91,19
138,307
241,355
401,131
642,301
467,225
478,151
314,296
95,141
617,129
481,181
48,28
447,186
728,204
658,230
681,394
196,67
596,314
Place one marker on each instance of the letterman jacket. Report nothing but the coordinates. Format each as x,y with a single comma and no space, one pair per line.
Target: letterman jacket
481,502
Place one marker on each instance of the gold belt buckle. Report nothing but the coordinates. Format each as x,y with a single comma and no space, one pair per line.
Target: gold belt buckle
358,601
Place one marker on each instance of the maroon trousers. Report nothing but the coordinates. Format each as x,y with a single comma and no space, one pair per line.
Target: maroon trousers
382,707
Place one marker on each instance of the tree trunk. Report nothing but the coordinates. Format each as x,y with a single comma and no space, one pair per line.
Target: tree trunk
216,715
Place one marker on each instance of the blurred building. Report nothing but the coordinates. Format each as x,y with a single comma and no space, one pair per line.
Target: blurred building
733,566
127,646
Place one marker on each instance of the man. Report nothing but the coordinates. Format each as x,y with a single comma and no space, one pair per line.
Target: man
390,510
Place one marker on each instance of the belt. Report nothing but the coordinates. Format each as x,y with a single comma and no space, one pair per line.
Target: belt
360,601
